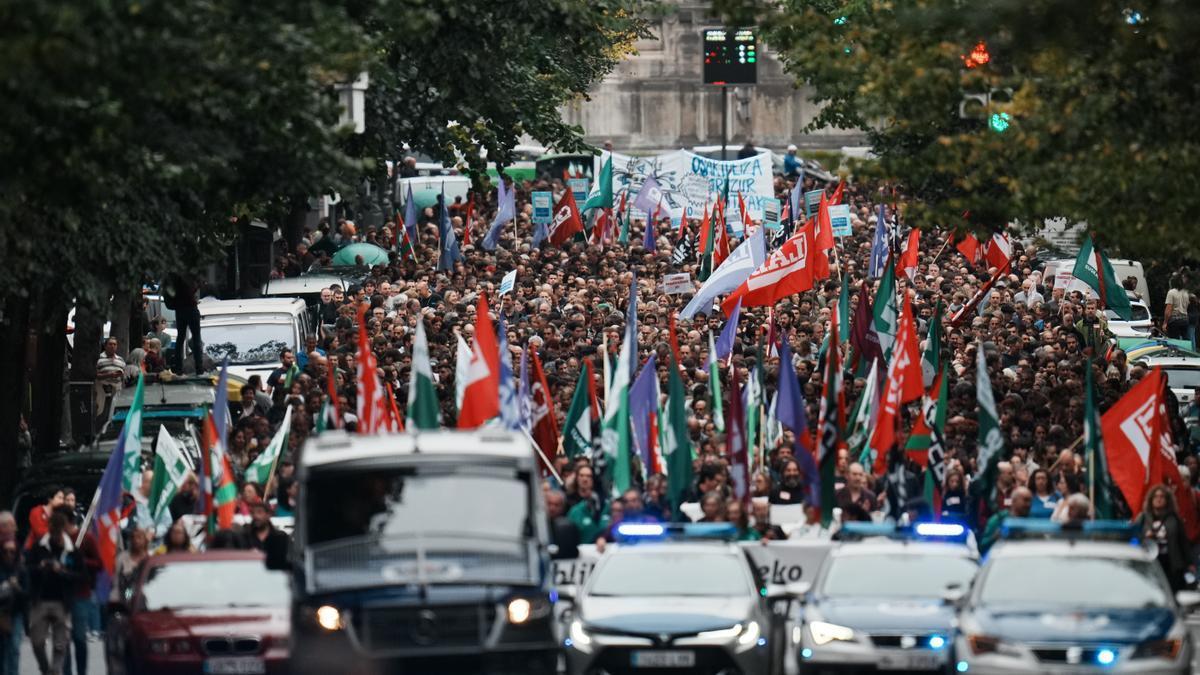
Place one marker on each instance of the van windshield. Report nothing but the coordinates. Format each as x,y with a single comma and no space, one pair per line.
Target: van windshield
247,342
418,524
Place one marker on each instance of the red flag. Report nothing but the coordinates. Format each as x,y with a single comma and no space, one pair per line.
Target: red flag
674,337
566,223
224,511
824,230
904,383
837,194
331,392
396,421
481,399
705,224
373,414
969,308
971,249
998,251
466,239
541,411
787,270
735,442
1133,431
599,227
747,224
909,259
594,404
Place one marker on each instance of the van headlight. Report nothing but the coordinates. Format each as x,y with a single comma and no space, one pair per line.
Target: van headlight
522,610
824,632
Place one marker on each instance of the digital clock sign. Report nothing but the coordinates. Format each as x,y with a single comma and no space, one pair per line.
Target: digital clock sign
730,56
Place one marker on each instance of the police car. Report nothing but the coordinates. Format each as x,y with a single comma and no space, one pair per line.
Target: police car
1072,600
679,599
878,600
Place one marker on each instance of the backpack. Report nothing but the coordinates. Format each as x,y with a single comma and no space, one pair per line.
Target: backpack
168,295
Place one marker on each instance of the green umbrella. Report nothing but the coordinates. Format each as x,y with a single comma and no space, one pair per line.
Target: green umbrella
370,254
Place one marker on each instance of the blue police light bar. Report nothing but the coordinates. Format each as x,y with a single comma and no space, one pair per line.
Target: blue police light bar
634,532
1112,530
951,530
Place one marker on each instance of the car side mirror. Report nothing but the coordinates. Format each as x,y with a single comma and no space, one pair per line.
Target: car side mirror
567,592
1188,600
954,594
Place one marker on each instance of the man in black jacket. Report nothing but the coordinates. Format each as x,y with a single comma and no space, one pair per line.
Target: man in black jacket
55,569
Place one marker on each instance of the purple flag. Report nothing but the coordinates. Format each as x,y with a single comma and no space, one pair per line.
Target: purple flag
643,402
729,332
791,413
649,197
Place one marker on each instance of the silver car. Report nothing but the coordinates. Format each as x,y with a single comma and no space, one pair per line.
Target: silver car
683,607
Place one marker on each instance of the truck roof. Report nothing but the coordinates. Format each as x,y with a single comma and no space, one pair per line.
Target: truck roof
280,305
337,447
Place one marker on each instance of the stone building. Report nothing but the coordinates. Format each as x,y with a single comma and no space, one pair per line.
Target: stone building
657,100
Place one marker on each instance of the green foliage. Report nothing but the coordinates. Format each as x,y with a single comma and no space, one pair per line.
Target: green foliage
1102,126
133,130
459,76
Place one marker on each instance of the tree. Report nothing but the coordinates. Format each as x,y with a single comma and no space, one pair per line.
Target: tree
1099,128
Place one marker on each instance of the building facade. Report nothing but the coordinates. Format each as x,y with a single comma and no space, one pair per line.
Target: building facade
657,99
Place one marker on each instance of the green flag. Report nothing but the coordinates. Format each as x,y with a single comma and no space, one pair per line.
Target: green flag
259,471
601,196
933,414
292,373
931,357
131,439
423,410
714,385
171,468
1112,294
862,418
886,313
615,437
1100,487
991,440
677,448
843,308
754,406
577,426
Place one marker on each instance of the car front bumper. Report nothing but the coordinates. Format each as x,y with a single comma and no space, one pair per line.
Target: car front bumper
615,654
862,653
1022,659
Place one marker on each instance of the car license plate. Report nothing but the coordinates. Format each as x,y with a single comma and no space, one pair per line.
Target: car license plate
664,659
907,661
235,665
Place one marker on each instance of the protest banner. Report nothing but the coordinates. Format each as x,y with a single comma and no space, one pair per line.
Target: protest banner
543,207
580,187
689,182
674,284
839,216
771,209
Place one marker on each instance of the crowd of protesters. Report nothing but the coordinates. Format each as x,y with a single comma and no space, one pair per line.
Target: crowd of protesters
568,304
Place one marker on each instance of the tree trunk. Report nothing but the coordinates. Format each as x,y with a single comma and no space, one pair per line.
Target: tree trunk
293,227
89,330
49,392
122,304
14,329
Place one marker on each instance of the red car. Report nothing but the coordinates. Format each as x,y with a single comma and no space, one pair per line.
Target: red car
220,612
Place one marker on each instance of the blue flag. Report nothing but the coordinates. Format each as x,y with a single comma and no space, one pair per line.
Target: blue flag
410,216
524,392
648,242
729,332
449,245
792,413
879,248
510,408
643,402
796,199
649,197
506,211
631,322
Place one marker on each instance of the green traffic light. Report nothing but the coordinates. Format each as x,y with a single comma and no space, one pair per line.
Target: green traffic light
999,122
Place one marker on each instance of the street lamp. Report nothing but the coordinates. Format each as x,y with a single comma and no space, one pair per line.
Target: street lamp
353,98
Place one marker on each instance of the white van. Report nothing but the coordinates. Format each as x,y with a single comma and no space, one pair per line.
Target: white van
426,189
1059,273
251,333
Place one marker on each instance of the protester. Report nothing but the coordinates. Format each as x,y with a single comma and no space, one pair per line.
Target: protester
55,570
1159,522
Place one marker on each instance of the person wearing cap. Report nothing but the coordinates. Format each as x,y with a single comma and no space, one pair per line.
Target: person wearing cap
792,165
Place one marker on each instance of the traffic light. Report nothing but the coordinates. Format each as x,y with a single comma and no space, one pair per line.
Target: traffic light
979,56
999,122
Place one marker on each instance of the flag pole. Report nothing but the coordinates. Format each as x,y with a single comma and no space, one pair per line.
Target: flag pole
542,455
941,250
87,519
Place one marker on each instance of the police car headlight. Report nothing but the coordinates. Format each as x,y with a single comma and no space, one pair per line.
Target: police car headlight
521,610
578,637
749,637
823,633
1159,649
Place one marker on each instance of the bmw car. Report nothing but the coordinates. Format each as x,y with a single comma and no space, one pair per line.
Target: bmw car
878,602
657,603
1073,605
